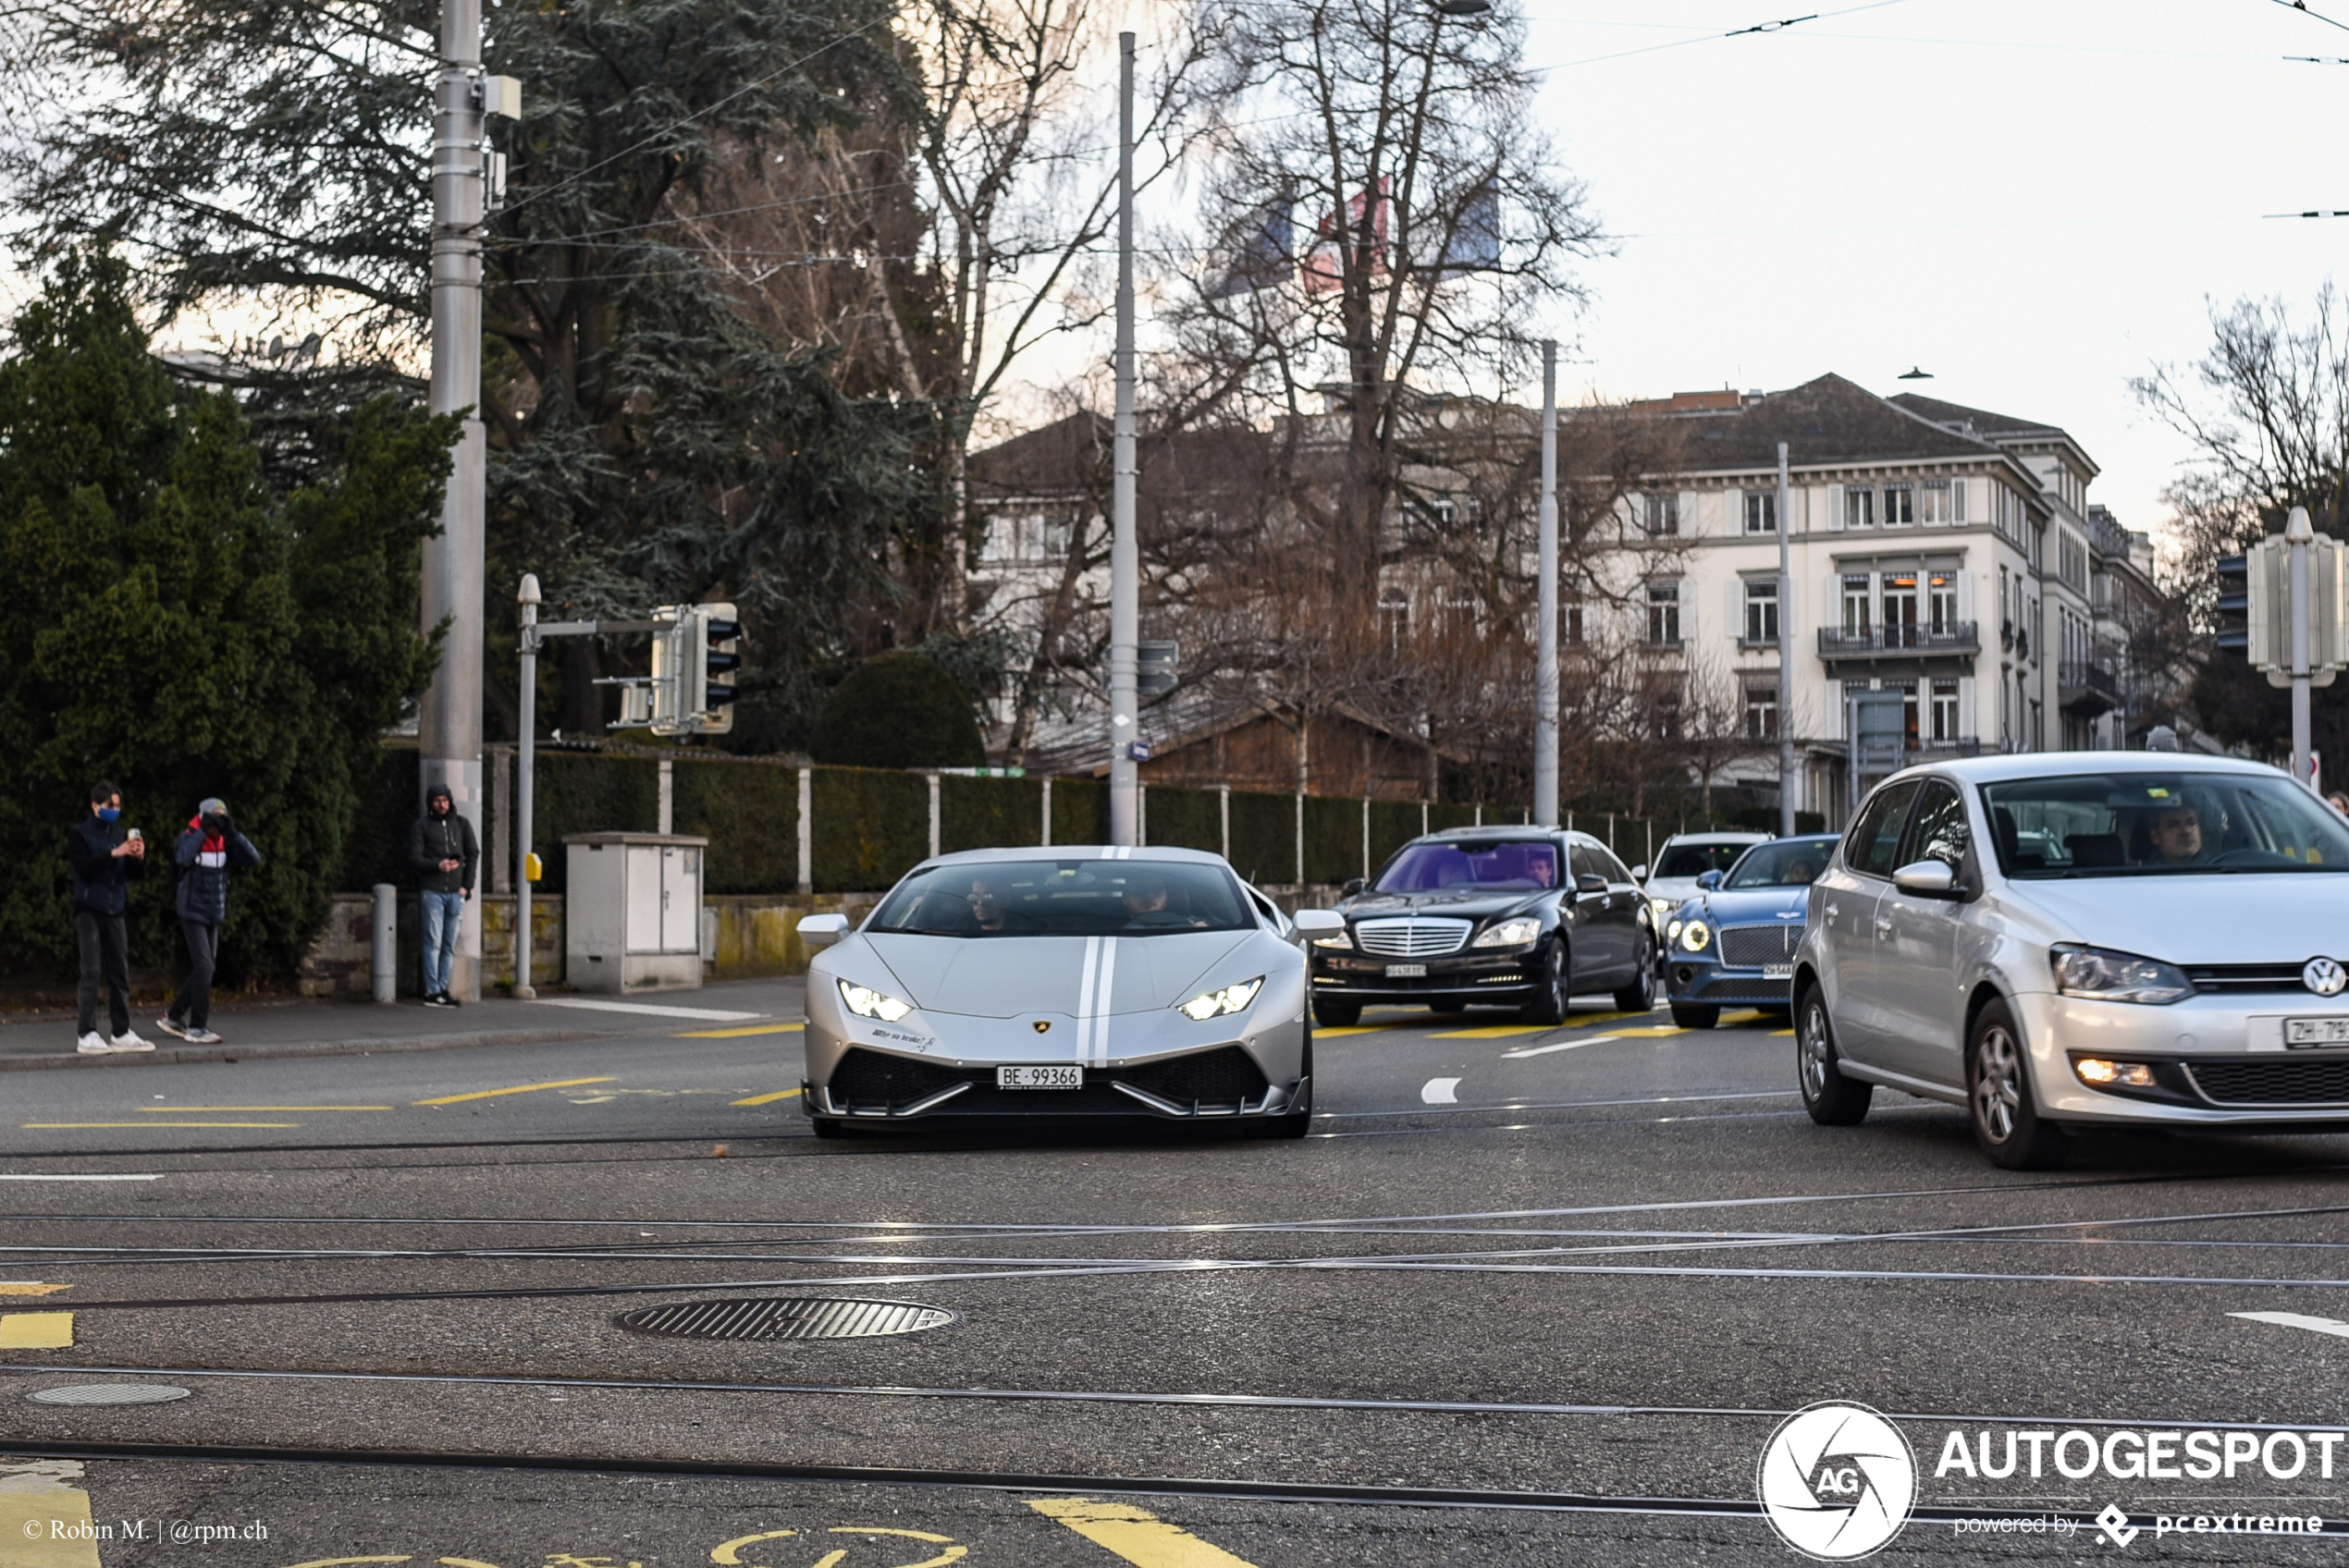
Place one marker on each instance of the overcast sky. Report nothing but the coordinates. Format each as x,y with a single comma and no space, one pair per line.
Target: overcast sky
2033,200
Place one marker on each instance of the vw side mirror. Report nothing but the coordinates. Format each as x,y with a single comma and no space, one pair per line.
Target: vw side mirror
1709,881
822,930
1639,875
1927,878
1317,922
1353,885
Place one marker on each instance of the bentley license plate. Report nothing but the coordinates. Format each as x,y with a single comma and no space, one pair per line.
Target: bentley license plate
1406,972
2299,1034
1039,1077
1777,972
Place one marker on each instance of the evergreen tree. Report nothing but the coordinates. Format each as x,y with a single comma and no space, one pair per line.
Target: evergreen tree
173,626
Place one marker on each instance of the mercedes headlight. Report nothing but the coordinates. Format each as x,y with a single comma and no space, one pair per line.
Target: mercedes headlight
2108,977
866,1002
1694,935
1662,908
1334,939
1223,999
1510,934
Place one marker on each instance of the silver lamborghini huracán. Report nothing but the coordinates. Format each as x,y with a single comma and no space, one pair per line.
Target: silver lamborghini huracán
1062,982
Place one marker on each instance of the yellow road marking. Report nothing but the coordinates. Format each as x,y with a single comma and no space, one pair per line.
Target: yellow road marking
1655,1031
737,1033
517,1089
1496,1032
765,1099
730,1552
36,1331
1775,1033
952,1554
51,1125
1322,1033
186,1109
29,1288
43,1522
1142,1538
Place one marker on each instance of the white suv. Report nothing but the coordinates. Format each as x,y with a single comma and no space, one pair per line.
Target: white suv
2081,938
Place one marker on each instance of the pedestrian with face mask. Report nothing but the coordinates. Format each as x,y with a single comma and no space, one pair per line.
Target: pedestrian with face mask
444,852
210,850
104,854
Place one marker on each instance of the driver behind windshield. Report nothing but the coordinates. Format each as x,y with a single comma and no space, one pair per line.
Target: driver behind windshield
2176,836
1145,901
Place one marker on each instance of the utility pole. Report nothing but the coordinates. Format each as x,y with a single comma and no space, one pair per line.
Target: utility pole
448,722
1124,559
2296,536
1786,662
1545,670
525,792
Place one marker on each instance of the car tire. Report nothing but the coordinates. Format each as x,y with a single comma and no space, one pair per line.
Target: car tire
1997,1080
1292,1123
1554,990
1640,995
1695,1017
826,1126
1832,1099
1331,1012
1447,1006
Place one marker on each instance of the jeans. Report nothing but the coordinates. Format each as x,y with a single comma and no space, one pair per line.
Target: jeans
192,1006
444,914
105,953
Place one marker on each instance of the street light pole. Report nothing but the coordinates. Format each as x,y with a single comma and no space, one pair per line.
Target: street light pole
2297,534
1545,674
1786,661
524,793
448,720
1125,561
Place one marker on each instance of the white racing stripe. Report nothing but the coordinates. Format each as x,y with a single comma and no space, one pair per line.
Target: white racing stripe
1440,1091
1103,993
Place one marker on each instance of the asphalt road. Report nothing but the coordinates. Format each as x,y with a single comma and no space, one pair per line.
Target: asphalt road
1535,1296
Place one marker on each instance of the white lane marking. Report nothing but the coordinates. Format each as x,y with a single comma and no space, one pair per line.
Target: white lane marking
2333,1326
1439,1091
44,1176
649,1010
1561,1046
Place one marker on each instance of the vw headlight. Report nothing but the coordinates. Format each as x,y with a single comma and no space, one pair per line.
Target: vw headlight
2108,977
1694,935
1226,999
1334,939
1510,934
866,1002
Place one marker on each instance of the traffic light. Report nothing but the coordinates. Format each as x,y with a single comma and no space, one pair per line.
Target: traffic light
717,653
2265,572
2234,605
694,657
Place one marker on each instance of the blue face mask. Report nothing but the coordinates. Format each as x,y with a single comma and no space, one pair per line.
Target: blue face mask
108,814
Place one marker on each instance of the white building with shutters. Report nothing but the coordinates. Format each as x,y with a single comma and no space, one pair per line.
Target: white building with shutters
1944,552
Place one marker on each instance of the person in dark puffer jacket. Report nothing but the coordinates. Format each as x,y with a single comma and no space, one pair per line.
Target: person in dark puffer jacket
104,853
210,849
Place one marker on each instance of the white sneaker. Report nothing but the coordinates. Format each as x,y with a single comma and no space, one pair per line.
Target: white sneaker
91,1045
177,1031
130,1041
200,1037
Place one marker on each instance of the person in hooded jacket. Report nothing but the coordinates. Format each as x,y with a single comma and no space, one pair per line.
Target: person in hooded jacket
210,849
104,853
445,853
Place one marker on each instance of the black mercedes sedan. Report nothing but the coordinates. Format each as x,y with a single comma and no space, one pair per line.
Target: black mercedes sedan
1525,917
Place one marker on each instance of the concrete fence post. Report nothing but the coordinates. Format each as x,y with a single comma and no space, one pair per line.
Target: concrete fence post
1141,813
933,813
383,945
1046,840
1366,838
1300,843
1224,817
807,830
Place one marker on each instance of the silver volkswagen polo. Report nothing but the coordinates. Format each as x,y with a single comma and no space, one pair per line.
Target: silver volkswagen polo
2082,938
1080,981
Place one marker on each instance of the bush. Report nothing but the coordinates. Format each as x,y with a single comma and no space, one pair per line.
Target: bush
899,710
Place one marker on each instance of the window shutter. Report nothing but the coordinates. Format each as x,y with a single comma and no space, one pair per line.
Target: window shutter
1965,594
1966,730
1957,500
1834,509
1737,606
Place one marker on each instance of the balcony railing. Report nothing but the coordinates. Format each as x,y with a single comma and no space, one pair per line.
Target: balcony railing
2086,685
1899,642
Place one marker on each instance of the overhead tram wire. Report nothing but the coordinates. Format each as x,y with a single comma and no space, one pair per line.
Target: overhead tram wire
1764,27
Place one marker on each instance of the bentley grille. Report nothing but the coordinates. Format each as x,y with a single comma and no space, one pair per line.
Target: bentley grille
1750,946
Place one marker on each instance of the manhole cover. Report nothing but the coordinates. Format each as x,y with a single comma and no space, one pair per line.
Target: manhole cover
786,1317
109,1393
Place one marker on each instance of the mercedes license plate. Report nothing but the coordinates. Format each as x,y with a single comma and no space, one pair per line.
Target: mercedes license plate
1039,1077
1406,972
2299,1034
1777,972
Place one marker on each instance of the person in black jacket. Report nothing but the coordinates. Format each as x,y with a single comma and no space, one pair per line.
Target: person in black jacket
210,849
104,854
444,852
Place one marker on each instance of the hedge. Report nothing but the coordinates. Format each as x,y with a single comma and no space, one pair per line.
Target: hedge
977,814
871,827
1188,819
749,811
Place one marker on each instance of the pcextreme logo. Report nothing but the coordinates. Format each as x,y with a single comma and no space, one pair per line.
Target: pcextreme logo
1836,1481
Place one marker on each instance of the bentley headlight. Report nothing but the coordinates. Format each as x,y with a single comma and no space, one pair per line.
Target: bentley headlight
1662,908
1223,999
1694,935
1672,932
1510,934
866,1002
2108,977
1334,939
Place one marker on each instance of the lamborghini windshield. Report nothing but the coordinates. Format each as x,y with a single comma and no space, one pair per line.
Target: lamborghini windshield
1066,898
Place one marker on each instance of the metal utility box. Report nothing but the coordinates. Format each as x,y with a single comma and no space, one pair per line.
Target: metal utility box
631,913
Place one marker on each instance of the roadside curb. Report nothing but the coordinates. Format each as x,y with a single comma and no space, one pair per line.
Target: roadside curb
309,1048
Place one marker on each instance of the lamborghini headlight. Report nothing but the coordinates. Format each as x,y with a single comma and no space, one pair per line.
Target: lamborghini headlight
866,1002
1509,934
1694,935
1223,999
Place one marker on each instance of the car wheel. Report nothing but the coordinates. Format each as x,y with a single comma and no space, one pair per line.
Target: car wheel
1832,1099
1292,1123
1553,990
1331,1012
1447,1005
826,1126
1695,1017
1640,995
1998,1076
